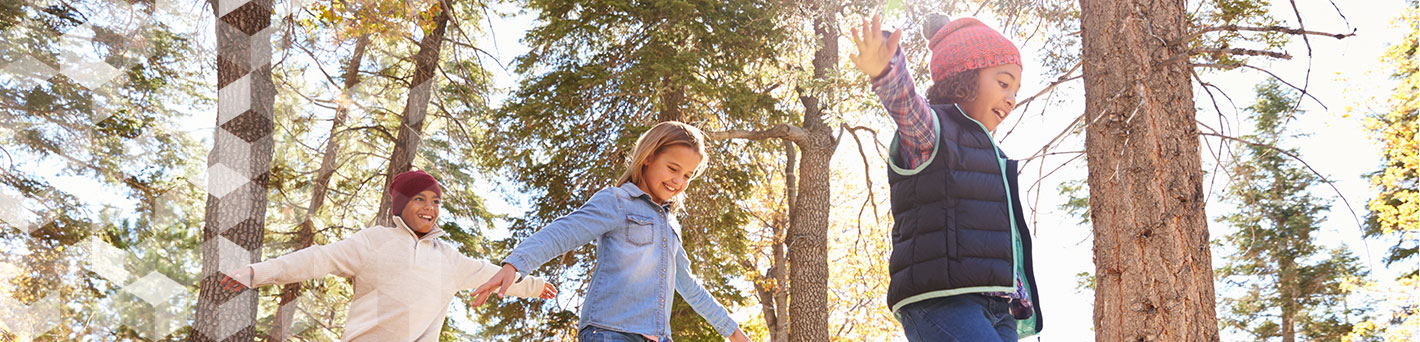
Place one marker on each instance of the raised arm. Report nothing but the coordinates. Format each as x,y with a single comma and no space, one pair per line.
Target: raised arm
882,60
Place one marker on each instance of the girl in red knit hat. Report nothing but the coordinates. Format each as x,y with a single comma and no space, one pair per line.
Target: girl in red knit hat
960,265
405,277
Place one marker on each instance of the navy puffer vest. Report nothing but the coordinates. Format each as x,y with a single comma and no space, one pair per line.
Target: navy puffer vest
953,230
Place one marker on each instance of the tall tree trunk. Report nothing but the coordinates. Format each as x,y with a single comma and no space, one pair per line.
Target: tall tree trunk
772,288
1289,291
238,168
808,221
305,236
411,127
1152,263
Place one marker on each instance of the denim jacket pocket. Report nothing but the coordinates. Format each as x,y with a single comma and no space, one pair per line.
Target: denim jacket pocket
640,229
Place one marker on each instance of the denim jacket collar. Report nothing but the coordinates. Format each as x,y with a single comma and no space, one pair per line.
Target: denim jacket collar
635,191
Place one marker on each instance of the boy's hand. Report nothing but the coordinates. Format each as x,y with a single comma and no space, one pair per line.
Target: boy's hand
238,280
874,51
500,281
739,336
548,291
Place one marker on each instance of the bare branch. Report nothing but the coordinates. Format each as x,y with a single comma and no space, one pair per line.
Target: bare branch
1275,28
1274,76
781,131
1058,81
1242,51
867,178
1299,160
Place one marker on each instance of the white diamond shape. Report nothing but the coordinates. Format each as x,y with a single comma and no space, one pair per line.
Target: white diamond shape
239,305
260,47
227,6
233,209
29,321
229,148
154,288
166,321
222,180
107,261
230,256
16,212
233,99
8,271
89,73
27,66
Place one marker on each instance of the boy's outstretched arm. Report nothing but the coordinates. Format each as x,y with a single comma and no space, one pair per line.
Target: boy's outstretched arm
879,57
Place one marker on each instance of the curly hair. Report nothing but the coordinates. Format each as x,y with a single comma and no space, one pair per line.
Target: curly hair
957,88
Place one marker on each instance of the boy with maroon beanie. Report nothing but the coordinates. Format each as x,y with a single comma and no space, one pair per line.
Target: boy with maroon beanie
960,265
405,276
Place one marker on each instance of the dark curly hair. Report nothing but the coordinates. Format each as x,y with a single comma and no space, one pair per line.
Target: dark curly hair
957,88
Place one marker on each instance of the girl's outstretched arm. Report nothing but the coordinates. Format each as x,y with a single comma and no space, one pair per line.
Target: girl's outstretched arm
601,214
699,299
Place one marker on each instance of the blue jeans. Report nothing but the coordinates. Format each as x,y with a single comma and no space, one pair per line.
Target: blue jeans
965,318
593,333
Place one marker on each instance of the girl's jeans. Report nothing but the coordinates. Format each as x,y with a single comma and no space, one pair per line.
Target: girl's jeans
966,318
592,333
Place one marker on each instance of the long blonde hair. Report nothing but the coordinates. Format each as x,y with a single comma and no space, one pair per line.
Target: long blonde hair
662,135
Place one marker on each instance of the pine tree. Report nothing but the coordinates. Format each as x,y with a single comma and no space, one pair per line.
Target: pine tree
1289,287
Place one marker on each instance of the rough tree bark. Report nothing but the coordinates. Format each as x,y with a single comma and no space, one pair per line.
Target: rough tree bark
411,127
1152,264
807,237
238,168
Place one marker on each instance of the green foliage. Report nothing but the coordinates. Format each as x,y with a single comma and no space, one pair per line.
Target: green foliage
1282,276
1216,13
598,75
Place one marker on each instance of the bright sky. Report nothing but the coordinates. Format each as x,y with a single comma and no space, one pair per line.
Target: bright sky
1345,73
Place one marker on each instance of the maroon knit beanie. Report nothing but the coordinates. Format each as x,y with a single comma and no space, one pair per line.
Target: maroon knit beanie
966,44
407,185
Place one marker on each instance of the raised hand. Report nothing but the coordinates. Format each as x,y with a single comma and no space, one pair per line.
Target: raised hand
238,280
500,281
548,291
874,50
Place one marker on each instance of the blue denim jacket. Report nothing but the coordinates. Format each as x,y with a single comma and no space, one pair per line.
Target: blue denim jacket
640,263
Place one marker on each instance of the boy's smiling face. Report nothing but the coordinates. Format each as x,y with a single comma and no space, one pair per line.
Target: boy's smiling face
421,211
996,89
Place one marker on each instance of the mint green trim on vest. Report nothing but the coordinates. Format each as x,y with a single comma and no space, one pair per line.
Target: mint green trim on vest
893,151
1024,328
949,292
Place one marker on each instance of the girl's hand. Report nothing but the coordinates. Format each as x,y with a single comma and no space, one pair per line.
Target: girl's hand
739,336
238,280
500,281
874,51
548,291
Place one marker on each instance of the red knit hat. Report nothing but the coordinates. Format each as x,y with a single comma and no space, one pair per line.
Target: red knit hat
966,44
407,185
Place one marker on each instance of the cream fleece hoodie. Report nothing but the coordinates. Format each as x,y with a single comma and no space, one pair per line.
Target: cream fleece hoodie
403,283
